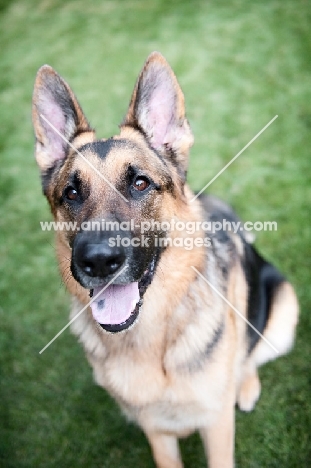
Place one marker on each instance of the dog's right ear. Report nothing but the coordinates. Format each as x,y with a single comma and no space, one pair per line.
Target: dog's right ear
55,112
157,109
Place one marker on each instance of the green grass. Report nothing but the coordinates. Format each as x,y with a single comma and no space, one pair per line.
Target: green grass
239,63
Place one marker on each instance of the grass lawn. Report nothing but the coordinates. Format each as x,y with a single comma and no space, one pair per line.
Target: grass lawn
240,63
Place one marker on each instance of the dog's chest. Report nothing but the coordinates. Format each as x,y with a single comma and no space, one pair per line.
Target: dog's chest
151,396
153,383
176,404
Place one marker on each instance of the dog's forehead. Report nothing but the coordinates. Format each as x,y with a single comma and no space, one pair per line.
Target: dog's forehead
115,156
113,147
111,157
103,148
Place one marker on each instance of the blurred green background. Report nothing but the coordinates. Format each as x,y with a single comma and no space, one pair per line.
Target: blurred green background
239,63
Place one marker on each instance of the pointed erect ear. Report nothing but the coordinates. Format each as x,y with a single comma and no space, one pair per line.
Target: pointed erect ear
54,105
157,109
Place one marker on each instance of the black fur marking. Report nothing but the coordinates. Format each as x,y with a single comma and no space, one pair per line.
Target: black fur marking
224,252
75,180
102,148
173,158
198,362
46,178
48,174
263,280
212,344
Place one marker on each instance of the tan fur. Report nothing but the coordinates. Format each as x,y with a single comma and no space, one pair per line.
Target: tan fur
168,372
280,330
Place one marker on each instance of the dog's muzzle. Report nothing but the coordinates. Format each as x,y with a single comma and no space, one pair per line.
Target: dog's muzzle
95,263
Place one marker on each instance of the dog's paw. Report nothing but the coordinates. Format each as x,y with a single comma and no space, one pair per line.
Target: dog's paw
249,393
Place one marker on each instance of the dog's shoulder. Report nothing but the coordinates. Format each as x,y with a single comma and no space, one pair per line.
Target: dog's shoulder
231,245
226,247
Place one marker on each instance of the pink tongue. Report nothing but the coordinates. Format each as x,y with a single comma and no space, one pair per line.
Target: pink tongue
115,304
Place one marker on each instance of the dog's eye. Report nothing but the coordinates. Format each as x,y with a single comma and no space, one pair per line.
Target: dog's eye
71,194
141,183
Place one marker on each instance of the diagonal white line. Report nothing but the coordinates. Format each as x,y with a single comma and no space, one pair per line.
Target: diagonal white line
83,157
236,310
235,157
82,310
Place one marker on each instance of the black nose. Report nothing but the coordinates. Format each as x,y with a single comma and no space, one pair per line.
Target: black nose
99,260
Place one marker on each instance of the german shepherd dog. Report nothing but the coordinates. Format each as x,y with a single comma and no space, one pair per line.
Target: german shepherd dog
174,334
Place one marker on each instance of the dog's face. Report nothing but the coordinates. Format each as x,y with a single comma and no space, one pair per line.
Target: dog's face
120,182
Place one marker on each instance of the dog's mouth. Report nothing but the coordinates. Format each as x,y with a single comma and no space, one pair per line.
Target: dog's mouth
117,306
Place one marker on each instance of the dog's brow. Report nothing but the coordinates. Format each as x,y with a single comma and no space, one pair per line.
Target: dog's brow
103,148
75,178
84,158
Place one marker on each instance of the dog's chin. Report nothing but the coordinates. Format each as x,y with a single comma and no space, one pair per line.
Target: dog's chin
125,299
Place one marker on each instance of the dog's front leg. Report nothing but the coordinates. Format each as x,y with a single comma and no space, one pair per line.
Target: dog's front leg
218,439
165,449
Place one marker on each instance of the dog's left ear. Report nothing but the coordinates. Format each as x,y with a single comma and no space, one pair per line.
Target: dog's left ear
57,117
157,109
